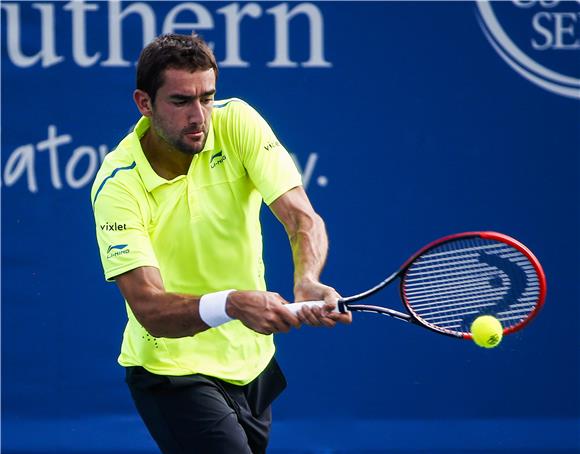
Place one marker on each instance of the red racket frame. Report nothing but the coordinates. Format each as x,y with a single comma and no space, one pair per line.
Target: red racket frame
489,235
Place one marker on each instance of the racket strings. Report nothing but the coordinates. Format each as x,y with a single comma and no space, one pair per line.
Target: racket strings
452,284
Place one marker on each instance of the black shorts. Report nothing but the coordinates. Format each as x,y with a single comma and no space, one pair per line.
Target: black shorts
200,414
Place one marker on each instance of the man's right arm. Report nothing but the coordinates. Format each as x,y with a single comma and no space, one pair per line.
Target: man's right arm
166,314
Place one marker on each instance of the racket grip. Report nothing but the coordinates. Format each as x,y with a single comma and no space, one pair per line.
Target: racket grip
295,307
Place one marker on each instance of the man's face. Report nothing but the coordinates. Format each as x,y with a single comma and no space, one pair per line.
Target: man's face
181,113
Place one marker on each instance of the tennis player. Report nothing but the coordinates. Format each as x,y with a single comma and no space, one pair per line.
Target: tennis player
177,207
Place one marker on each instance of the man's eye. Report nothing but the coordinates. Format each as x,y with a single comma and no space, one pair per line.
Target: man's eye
179,103
207,100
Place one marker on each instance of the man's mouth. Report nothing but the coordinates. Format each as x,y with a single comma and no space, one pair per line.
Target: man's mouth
194,134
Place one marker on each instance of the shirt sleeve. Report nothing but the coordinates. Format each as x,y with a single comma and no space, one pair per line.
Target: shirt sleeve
122,236
267,162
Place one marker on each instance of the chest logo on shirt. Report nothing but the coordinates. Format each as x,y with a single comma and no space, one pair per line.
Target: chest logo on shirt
217,159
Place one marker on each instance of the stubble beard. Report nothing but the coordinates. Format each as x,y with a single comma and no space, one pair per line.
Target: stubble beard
176,142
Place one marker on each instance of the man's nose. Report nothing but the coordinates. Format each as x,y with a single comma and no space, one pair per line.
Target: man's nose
196,115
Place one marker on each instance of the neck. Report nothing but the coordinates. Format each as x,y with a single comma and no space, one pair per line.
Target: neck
165,160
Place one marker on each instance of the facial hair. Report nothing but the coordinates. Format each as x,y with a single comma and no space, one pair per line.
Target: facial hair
177,142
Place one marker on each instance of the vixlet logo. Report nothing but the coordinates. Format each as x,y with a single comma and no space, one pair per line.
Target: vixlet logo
116,250
114,227
271,145
217,159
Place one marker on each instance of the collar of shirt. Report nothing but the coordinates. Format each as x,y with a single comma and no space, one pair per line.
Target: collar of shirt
148,175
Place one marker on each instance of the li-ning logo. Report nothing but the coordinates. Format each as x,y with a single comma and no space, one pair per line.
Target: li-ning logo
553,39
217,159
114,227
116,250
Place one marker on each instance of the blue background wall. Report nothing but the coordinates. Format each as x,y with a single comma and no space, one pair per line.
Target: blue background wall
419,129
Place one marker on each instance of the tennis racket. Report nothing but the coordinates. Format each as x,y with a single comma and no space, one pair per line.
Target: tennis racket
447,284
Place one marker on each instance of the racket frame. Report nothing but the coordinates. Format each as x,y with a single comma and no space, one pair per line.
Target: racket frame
345,304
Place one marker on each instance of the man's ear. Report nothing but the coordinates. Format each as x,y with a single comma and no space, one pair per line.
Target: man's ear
143,102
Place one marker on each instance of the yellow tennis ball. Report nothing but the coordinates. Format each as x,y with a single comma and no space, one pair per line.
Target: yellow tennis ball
486,331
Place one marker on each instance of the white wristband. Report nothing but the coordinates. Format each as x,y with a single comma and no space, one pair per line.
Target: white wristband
212,308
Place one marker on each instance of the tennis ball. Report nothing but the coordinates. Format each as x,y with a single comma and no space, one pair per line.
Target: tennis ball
487,331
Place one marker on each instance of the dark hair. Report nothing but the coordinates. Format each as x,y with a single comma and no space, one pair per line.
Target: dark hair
172,51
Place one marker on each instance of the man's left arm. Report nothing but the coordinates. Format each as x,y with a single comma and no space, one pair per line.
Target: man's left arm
309,242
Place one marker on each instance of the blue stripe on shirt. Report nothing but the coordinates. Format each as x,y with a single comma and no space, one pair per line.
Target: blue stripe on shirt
113,173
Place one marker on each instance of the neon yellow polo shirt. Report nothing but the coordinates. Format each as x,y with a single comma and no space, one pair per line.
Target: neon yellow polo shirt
201,230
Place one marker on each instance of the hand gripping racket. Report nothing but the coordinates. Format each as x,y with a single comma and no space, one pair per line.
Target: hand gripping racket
452,281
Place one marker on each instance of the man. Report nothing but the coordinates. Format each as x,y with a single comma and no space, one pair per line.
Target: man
177,213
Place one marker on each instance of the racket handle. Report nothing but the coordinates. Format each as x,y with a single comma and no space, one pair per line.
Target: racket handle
295,307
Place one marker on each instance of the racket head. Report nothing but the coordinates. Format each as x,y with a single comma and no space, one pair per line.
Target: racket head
447,284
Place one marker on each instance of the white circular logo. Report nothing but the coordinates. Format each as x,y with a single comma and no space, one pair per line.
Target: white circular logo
554,39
